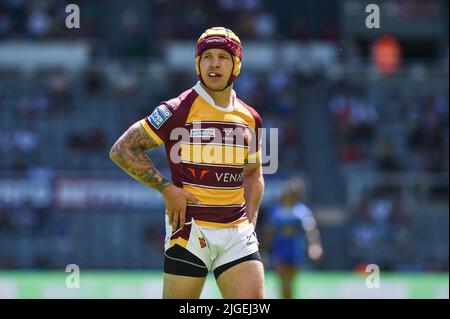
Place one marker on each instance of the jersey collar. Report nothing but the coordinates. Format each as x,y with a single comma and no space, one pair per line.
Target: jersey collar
201,91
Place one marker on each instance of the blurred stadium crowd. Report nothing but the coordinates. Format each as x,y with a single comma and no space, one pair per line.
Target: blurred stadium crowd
45,20
58,124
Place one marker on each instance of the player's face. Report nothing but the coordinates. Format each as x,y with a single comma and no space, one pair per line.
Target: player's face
216,66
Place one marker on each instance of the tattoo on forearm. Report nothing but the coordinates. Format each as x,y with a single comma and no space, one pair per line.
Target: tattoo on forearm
129,154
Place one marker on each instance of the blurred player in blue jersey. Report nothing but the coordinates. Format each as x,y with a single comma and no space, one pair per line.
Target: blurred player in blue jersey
292,234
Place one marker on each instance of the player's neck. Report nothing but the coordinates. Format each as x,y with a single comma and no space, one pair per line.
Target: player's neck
221,98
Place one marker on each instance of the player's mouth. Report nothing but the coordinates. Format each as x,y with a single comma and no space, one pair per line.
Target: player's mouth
214,75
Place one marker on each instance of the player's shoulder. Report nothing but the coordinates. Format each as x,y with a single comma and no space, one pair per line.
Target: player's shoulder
172,112
182,101
252,111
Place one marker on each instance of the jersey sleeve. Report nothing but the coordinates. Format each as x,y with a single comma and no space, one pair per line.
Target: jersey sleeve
160,123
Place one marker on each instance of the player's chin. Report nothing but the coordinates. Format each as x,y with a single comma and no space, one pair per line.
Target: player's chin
215,85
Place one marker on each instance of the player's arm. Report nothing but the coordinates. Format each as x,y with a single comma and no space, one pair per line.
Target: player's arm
129,154
253,190
315,250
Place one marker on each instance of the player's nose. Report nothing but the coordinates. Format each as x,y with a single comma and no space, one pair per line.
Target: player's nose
215,61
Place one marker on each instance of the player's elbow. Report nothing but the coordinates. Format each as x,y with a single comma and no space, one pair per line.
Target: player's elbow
114,154
255,175
253,171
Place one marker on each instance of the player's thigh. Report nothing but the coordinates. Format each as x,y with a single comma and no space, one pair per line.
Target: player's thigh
244,280
182,287
184,274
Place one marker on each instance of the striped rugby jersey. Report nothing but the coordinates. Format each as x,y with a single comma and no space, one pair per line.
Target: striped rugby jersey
216,144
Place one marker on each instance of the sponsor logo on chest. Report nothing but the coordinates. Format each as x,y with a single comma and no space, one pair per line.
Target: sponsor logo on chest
200,132
229,177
